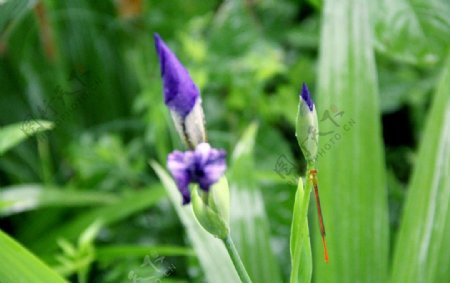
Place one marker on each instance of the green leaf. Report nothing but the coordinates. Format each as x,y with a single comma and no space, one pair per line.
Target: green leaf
300,243
351,171
28,197
211,252
109,214
249,223
13,134
108,253
19,265
11,14
415,31
422,247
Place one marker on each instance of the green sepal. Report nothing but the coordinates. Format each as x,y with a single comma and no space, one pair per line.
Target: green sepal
307,131
212,209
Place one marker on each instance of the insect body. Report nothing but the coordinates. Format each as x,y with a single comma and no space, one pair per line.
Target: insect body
313,179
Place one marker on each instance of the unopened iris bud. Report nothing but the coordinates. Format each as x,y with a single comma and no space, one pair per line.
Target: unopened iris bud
307,128
181,96
212,210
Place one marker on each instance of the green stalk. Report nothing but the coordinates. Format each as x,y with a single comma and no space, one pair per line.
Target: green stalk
303,217
45,158
240,268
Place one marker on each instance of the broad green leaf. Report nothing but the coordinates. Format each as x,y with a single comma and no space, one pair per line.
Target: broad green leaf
13,134
415,31
19,265
22,198
211,252
108,214
422,247
249,222
300,243
351,171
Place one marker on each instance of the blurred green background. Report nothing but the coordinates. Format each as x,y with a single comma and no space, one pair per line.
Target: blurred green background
79,192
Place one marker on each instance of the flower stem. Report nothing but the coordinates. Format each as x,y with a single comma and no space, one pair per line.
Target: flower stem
236,260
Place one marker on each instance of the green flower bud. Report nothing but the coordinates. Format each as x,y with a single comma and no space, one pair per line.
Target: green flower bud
212,209
307,127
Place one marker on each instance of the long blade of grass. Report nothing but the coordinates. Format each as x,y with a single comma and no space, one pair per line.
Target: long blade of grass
109,214
422,247
351,168
211,252
13,134
108,253
18,199
19,265
249,222
300,243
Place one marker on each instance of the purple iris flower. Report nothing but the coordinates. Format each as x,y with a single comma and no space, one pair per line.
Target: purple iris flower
180,91
306,96
204,166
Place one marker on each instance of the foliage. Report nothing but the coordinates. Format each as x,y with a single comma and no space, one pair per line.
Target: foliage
82,113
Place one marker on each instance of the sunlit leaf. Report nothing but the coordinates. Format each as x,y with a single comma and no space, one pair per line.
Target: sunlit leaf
12,135
422,247
249,222
22,198
351,169
19,265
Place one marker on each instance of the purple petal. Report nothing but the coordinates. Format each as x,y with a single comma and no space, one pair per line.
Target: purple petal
213,166
202,153
180,92
204,166
178,168
307,97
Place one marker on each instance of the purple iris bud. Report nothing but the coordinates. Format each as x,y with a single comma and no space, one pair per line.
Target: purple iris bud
180,92
204,166
181,96
307,126
307,97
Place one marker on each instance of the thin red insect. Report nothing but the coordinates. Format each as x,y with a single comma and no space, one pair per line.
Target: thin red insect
313,178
